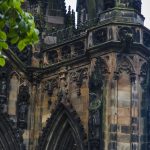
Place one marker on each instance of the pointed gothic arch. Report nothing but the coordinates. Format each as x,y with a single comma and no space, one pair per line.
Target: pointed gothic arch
8,139
124,64
63,131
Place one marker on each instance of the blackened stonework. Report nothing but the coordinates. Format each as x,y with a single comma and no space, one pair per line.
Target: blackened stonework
4,87
25,56
87,86
137,5
33,2
96,83
126,38
9,137
109,4
146,39
100,36
22,107
3,91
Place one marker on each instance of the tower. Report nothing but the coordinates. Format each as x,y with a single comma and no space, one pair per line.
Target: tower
91,89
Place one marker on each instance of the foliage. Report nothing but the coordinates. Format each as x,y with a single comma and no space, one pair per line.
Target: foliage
16,27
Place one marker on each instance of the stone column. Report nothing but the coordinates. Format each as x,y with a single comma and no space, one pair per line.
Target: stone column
35,111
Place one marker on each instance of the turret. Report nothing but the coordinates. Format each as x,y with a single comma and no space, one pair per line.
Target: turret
90,9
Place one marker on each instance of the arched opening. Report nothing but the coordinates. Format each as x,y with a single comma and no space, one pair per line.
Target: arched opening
8,141
66,52
63,131
79,48
53,57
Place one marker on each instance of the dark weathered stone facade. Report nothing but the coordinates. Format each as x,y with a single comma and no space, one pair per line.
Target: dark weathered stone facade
89,88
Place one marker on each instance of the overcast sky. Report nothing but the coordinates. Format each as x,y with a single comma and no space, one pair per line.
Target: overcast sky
145,9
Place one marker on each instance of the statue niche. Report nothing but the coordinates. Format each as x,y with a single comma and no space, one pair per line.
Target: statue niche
96,84
22,107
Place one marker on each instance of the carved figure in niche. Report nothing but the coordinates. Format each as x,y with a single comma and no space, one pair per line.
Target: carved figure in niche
22,107
94,105
126,38
63,89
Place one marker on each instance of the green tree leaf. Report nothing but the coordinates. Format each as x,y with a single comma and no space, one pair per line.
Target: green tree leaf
2,61
3,35
21,45
12,34
2,24
16,26
14,40
4,45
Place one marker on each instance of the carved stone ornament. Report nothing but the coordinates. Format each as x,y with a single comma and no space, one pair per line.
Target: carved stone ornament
62,73
22,107
34,76
95,104
96,83
78,76
50,85
99,73
63,85
124,65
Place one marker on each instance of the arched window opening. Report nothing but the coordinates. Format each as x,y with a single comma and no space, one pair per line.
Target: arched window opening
79,48
66,52
53,57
